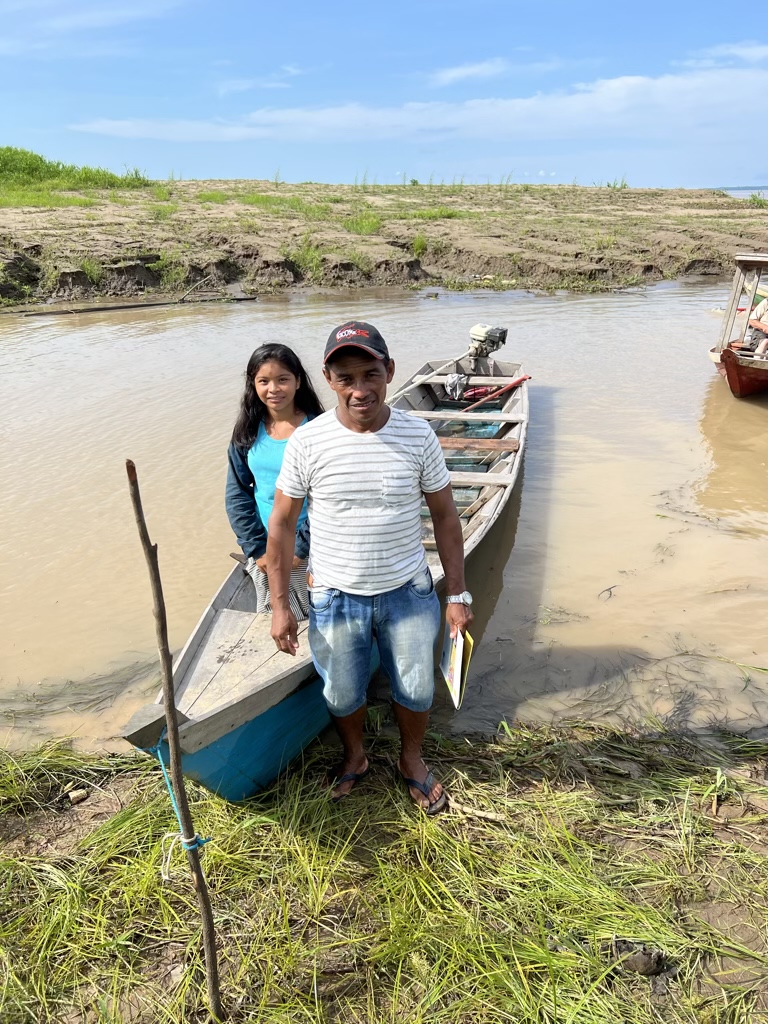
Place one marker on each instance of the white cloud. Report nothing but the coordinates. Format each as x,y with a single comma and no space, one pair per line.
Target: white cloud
232,85
485,69
277,80
39,28
102,16
727,55
693,105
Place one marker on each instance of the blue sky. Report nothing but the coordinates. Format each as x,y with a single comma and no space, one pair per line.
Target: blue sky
659,93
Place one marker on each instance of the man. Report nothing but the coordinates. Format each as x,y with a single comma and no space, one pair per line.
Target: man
757,341
758,321
364,467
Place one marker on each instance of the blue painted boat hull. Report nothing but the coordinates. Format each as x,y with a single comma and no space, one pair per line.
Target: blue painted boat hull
248,759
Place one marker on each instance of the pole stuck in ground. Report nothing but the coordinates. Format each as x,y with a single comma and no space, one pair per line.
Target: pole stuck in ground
174,749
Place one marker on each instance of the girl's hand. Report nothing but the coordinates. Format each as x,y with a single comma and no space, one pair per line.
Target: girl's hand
298,563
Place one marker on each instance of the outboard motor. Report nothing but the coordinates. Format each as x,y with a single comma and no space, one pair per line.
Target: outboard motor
485,339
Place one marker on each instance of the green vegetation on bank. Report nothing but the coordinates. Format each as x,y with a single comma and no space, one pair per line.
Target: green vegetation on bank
583,876
28,179
271,235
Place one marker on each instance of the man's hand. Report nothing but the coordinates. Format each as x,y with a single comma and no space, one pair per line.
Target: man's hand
261,563
285,630
458,617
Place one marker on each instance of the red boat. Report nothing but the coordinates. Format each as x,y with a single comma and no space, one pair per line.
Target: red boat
746,374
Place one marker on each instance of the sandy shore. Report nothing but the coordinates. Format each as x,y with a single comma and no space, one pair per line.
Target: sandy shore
245,238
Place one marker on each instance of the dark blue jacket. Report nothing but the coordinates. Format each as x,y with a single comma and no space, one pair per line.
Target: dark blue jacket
243,514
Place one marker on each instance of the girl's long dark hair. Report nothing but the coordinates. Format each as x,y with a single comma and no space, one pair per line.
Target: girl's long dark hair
252,409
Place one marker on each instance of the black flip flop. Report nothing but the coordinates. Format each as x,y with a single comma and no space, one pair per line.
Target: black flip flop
334,780
425,787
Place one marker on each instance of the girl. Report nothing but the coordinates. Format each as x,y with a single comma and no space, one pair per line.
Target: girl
278,398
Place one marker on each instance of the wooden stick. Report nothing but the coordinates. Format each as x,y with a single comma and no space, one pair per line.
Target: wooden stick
174,750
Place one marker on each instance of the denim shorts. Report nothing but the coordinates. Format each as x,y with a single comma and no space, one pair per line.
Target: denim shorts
404,623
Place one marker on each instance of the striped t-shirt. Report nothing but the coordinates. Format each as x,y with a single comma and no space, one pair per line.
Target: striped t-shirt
364,492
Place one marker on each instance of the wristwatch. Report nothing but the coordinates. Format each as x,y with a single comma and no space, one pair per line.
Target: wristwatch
463,598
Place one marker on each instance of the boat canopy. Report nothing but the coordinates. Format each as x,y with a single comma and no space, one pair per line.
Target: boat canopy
749,267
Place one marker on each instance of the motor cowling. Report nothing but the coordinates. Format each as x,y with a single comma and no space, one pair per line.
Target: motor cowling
486,339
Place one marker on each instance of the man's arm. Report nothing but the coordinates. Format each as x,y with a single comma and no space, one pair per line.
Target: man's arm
280,547
450,547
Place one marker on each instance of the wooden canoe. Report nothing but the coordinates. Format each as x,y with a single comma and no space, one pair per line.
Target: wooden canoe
247,710
746,375
483,449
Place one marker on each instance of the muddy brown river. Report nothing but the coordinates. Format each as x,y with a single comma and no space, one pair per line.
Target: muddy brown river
625,582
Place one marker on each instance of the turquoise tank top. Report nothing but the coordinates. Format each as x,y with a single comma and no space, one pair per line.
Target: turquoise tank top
264,460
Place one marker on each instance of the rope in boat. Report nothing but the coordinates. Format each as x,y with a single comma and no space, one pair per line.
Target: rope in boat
194,843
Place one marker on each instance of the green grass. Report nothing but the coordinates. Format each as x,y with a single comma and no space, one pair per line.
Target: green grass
172,269
367,222
92,269
286,205
162,211
435,213
28,179
21,167
361,260
306,257
213,197
419,245
757,200
13,196
507,909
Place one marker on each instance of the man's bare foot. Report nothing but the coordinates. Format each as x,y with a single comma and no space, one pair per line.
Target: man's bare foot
429,794
344,777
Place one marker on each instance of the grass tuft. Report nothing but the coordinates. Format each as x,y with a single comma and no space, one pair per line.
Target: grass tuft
419,245
162,211
306,257
92,269
172,269
364,223
286,205
436,213
213,197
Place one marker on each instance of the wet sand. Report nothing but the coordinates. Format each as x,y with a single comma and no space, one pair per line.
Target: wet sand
642,475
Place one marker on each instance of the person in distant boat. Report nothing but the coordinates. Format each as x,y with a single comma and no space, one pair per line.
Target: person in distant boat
757,342
278,398
364,468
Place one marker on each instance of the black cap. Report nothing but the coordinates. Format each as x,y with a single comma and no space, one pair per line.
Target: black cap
356,334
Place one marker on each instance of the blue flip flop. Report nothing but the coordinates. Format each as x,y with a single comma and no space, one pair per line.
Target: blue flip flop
425,787
334,780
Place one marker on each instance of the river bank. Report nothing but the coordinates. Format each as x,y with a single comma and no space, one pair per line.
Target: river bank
582,874
244,238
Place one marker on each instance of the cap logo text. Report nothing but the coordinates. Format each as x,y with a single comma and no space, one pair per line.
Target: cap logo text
351,332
